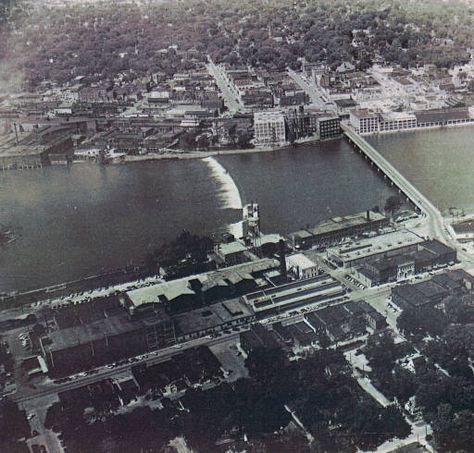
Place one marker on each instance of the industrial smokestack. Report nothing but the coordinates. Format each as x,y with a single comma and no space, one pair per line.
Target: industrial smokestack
282,253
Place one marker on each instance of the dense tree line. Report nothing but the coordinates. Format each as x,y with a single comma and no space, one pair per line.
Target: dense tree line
444,385
100,40
255,406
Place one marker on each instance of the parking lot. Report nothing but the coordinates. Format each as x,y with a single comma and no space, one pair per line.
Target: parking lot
231,358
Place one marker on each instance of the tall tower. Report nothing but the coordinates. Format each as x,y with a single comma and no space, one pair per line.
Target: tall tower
251,220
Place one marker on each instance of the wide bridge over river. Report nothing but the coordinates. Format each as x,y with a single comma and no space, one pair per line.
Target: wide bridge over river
390,172
436,224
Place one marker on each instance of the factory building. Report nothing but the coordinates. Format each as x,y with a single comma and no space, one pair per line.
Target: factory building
429,254
334,230
328,127
301,266
230,254
316,290
386,245
114,336
258,337
269,129
419,295
192,292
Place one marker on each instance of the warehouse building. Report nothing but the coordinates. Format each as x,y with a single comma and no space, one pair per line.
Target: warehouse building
386,245
316,290
334,230
418,295
428,255
195,291
115,336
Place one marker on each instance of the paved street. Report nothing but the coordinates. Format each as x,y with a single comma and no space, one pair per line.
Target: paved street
316,96
232,103
49,388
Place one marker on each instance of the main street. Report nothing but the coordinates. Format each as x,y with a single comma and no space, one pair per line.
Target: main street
316,96
232,103
26,393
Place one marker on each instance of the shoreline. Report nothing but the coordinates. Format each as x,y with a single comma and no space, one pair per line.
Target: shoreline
220,152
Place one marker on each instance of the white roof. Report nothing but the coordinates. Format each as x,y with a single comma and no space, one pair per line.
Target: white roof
270,238
375,245
151,294
232,247
299,260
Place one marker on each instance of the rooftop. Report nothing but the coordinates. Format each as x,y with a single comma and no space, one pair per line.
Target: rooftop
332,315
440,115
299,260
376,245
211,317
175,288
231,247
339,223
107,327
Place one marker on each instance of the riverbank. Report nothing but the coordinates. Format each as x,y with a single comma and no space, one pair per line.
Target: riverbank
182,154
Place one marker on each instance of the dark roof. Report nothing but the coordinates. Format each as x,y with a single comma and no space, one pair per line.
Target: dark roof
258,336
446,281
442,115
282,331
332,315
345,103
423,256
376,316
430,289
302,333
314,320
464,227
437,247
410,294
460,274
336,332
358,307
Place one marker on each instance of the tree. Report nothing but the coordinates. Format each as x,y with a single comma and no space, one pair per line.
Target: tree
392,204
263,364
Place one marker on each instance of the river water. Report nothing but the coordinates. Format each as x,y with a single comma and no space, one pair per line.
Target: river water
439,162
86,219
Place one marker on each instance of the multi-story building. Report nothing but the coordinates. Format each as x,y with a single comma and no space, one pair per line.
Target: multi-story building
301,266
395,121
114,334
334,230
363,121
386,245
230,254
329,127
444,117
269,128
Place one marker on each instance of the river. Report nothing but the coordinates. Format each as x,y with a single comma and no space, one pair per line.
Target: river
439,162
85,219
